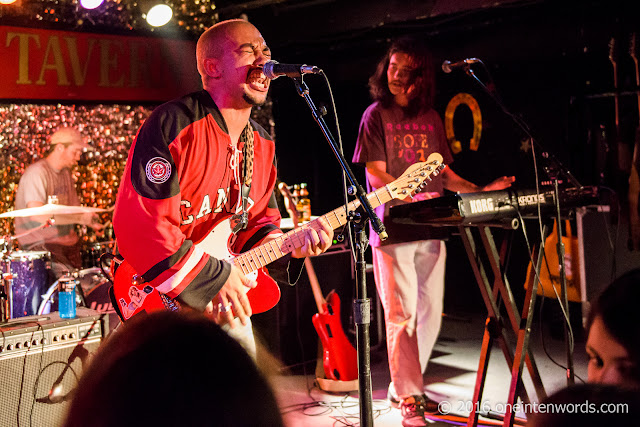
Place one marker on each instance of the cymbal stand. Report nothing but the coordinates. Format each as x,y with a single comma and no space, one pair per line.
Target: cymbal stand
6,279
5,286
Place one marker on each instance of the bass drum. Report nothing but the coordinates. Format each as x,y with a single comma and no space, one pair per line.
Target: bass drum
95,288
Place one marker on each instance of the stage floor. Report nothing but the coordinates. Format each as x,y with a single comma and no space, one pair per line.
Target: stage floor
450,377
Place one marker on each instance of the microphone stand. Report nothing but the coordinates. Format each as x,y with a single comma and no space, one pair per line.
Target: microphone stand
361,304
553,169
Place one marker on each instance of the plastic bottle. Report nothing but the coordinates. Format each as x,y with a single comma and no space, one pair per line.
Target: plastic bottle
296,200
67,297
304,204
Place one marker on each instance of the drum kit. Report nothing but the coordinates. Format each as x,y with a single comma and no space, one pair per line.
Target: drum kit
26,276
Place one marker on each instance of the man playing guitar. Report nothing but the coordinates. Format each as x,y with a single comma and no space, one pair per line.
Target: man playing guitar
196,162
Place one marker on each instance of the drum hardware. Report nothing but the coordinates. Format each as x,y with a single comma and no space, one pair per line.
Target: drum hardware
5,308
114,262
92,252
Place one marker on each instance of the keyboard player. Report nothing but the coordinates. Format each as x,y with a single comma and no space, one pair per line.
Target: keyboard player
398,129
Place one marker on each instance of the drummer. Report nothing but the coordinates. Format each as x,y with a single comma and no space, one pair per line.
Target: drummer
49,180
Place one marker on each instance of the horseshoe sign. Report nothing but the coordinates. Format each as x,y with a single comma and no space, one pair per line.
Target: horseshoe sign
469,101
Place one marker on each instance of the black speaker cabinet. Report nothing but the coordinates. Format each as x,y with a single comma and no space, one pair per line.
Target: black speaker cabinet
603,251
41,360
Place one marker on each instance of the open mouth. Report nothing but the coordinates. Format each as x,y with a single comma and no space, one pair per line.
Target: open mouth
257,80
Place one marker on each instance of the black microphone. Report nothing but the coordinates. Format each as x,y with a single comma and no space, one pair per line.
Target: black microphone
273,70
448,66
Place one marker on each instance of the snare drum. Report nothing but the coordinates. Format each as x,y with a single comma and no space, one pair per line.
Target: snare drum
30,272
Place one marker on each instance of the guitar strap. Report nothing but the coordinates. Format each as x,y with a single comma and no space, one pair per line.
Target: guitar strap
242,219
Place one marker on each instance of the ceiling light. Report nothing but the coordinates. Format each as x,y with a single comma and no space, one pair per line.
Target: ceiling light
159,15
89,4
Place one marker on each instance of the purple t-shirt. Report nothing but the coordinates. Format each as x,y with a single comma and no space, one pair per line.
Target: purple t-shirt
387,135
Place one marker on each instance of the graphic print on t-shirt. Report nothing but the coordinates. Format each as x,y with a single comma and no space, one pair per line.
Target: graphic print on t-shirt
410,141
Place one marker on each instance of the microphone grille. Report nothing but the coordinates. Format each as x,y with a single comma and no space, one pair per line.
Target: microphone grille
267,69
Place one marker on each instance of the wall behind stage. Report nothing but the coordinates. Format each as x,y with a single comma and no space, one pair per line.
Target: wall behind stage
109,129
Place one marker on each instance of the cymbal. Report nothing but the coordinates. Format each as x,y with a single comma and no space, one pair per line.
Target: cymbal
50,209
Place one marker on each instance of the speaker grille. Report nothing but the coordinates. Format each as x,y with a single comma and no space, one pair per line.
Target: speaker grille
39,370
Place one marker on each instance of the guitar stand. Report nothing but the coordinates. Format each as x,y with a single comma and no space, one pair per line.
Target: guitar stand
495,328
333,386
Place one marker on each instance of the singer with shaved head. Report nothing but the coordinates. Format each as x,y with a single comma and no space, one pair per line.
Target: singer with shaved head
197,162
401,128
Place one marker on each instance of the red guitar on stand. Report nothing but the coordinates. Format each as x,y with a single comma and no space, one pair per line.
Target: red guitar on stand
340,358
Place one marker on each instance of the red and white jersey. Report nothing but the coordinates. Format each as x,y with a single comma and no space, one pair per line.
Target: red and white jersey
177,185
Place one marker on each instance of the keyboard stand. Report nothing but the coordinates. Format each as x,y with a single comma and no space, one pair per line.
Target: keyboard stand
494,329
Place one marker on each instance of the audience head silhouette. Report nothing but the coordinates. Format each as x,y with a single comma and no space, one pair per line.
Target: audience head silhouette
613,342
169,369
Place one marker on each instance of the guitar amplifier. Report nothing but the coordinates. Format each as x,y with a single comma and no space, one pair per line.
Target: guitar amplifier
41,360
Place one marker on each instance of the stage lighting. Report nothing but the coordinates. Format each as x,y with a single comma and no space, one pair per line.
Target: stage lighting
7,1
91,4
158,15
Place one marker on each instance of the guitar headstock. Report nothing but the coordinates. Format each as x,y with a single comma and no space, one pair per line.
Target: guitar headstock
414,178
613,51
289,202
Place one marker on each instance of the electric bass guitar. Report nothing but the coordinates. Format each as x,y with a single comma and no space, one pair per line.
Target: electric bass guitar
133,295
340,358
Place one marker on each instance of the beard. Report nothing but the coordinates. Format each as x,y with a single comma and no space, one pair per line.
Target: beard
253,100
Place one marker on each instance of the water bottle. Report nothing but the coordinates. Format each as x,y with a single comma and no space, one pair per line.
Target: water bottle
67,297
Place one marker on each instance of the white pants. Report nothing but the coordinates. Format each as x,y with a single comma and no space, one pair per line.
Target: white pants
410,281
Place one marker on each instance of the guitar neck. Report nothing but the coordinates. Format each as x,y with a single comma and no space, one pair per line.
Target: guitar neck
277,248
635,61
616,98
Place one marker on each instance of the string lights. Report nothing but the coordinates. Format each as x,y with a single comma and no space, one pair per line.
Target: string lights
192,17
109,129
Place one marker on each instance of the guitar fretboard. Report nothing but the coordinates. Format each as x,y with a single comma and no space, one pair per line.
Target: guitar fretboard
277,248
